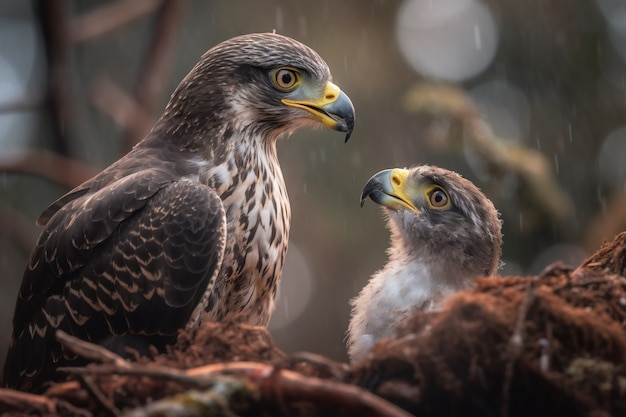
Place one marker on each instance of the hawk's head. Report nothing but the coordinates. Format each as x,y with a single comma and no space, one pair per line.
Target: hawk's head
263,84
438,216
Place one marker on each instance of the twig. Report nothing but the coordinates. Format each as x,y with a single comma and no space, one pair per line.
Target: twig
157,65
62,170
61,108
274,384
25,103
290,385
149,89
90,351
107,18
151,371
87,383
122,108
516,344
23,401
336,369
17,402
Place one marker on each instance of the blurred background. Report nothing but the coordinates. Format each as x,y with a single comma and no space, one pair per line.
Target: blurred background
526,99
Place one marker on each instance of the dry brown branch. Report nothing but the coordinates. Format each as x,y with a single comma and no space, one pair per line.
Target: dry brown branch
31,404
89,350
62,170
129,115
107,18
25,103
104,404
157,65
59,103
21,400
284,385
150,371
274,384
151,80
335,369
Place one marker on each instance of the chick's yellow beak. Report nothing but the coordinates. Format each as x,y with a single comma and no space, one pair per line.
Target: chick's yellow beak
390,188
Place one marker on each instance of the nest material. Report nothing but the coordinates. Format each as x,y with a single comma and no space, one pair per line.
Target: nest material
554,344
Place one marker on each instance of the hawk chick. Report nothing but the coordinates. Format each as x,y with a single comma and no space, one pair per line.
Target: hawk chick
444,232
192,223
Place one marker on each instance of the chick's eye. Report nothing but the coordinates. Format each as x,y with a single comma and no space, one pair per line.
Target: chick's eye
285,78
438,198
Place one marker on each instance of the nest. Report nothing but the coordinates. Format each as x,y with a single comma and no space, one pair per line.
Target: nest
554,344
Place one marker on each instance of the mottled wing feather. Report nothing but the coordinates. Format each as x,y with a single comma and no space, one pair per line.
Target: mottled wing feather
47,214
66,244
128,263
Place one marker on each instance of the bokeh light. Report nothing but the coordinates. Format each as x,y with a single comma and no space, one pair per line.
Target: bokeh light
21,79
451,40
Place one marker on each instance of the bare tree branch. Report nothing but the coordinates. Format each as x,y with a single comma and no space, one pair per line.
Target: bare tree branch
122,108
60,169
157,65
108,18
274,384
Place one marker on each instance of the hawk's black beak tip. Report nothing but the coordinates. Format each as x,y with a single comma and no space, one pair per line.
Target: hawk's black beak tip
342,111
370,187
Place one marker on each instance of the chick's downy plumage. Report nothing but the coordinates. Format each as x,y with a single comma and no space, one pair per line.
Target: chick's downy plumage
191,224
444,232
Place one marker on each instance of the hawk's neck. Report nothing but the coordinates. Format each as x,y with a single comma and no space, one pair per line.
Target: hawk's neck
250,183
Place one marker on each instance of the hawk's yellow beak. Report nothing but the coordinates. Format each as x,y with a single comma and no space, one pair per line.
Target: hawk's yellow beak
334,109
390,188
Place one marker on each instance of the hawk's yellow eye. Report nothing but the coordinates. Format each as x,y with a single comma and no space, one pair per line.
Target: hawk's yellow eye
438,198
286,78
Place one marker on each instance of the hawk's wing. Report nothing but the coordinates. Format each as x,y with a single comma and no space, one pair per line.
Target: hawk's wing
133,257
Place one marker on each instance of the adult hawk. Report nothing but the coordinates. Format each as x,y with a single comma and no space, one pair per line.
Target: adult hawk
444,232
193,222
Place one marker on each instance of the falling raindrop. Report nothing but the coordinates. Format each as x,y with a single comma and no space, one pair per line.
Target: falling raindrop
556,164
569,131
